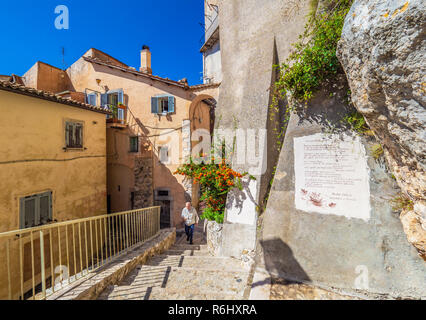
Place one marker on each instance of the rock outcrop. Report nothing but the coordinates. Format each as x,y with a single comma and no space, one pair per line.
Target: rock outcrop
383,52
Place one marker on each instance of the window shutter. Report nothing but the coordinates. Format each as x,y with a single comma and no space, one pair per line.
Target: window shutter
154,105
28,213
67,135
45,207
104,99
91,99
78,135
171,104
120,96
164,154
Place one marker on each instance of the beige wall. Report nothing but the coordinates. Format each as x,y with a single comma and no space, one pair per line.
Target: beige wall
33,161
33,130
121,177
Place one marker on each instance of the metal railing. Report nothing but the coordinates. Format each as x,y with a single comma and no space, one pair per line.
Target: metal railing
31,258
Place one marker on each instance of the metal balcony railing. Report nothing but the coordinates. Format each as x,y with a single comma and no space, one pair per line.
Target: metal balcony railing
36,262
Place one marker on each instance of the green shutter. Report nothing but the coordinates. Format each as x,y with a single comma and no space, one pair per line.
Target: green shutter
27,212
78,128
69,134
45,207
35,210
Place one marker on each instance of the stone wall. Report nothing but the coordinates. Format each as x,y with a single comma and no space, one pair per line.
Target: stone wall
382,50
144,192
214,237
333,250
253,37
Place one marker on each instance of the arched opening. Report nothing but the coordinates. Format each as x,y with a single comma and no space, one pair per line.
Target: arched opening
201,116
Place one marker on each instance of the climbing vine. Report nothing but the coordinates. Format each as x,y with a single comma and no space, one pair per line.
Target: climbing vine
313,59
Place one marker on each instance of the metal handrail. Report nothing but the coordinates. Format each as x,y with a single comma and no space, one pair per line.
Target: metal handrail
77,248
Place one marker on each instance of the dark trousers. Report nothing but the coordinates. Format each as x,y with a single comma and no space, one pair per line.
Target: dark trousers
189,230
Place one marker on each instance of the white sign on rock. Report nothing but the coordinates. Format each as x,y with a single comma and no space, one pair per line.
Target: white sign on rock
332,175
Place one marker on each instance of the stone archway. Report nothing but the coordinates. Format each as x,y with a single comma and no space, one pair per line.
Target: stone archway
201,112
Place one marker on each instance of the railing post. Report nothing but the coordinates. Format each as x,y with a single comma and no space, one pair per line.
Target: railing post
73,250
59,252
127,230
32,262
81,253
87,252
158,219
91,243
52,275
8,268
21,262
42,264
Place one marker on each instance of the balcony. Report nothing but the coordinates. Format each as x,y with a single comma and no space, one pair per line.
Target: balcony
212,35
118,117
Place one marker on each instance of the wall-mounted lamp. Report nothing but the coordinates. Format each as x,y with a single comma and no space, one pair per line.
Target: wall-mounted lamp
98,81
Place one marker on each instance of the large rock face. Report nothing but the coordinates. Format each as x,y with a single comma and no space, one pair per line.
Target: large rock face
383,52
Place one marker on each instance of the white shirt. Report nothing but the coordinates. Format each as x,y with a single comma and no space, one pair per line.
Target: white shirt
191,216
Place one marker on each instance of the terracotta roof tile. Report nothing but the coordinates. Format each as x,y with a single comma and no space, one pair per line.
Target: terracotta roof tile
205,86
20,89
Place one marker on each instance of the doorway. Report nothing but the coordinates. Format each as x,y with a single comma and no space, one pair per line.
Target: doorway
164,200
164,213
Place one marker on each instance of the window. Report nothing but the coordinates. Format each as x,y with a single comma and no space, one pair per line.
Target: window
35,210
163,104
163,193
112,97
164,154
74,135
134,144
92,98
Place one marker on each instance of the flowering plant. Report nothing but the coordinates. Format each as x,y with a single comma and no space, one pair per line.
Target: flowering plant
216,180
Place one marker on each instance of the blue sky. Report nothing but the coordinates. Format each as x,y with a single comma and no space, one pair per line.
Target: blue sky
171,28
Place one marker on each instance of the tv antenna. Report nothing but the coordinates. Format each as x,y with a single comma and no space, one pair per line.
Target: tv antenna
63,57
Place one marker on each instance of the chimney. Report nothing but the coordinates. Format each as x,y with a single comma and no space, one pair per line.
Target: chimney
145,60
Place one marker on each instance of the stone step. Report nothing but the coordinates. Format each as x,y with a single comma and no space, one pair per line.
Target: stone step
197,262
189,247
188,280
187,253
197,240
167,294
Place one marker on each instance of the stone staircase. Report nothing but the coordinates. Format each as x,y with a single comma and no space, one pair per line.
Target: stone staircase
184,272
